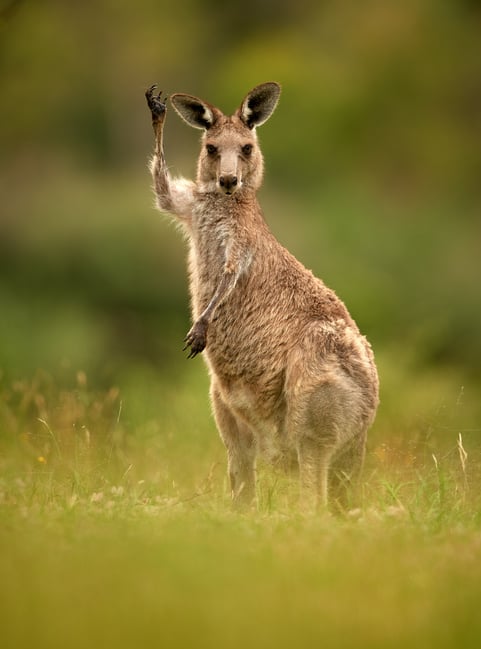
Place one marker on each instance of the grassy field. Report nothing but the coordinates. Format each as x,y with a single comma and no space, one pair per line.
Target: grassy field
116,531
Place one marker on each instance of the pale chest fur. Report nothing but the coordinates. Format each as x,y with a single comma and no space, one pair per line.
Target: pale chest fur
217,232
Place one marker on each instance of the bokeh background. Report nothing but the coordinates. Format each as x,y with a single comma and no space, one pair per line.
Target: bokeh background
373,180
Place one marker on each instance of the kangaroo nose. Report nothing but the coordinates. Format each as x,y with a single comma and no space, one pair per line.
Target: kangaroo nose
228,182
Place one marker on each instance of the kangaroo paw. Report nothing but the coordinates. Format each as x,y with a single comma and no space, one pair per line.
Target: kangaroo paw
156,103
196,339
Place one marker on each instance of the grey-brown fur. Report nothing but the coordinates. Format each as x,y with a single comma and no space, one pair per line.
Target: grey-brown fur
289,368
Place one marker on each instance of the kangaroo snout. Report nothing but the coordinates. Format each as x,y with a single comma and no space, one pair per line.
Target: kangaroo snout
228,183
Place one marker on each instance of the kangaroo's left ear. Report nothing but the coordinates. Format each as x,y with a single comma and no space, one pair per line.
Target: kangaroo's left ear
259,104
194,111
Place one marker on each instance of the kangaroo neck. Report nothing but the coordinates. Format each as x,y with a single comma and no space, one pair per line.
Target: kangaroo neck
229,213
243,199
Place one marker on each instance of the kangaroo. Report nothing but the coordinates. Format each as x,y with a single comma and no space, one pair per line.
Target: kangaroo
289,368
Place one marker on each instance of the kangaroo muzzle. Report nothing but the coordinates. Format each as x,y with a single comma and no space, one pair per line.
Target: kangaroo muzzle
228,183
229,178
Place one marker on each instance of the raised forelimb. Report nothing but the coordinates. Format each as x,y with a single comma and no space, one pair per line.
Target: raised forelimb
160,174
173,195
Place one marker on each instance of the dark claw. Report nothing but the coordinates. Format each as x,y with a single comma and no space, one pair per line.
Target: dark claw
195,348
195,339
155,102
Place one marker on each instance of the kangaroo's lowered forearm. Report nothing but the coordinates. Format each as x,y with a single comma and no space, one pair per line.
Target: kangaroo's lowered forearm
197,337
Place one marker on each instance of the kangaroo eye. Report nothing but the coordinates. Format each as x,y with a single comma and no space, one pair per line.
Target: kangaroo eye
247,149
211,149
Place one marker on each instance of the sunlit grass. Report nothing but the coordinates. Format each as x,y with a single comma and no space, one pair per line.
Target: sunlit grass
116,530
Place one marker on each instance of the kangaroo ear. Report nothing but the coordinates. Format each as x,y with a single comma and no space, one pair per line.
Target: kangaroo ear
259,104
194,111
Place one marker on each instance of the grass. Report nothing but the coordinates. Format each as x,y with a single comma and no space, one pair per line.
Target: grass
116,531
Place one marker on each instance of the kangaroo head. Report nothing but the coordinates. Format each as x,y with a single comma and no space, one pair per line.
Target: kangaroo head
230,158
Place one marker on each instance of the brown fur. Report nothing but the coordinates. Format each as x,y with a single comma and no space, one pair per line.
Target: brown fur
289,368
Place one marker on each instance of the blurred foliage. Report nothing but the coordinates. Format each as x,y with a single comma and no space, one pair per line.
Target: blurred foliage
373,172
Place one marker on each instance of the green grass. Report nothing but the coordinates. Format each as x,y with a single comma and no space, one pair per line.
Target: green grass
116,531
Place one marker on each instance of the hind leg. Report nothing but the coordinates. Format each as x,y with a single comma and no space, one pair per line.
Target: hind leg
320,420
314,459
241,450
312,429
345,474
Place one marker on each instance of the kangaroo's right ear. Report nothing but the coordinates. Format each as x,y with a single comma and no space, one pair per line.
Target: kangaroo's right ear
194,111
259,104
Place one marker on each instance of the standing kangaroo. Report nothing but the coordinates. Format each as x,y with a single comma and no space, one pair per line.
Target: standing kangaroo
289,368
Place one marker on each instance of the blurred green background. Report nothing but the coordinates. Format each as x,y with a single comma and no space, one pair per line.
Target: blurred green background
373,180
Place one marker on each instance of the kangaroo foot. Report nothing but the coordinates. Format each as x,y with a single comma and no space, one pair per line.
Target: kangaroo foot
196,338
156,104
